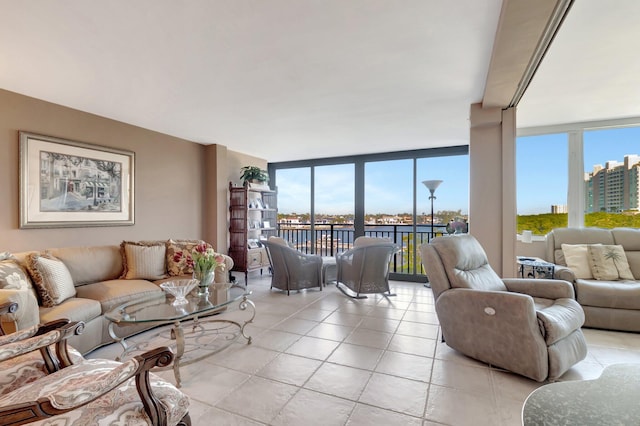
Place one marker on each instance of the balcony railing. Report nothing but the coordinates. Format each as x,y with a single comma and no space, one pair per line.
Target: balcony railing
332,238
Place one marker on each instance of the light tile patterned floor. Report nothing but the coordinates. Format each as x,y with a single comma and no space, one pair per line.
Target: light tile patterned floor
320,358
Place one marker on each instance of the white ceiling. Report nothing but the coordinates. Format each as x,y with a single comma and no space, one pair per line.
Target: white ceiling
592,70
298,79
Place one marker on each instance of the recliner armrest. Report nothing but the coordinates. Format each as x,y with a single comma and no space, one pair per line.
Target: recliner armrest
544,288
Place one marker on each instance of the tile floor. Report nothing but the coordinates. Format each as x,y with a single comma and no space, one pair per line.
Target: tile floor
320,358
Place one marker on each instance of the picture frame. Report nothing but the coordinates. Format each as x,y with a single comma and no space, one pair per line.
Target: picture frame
266,224
68,184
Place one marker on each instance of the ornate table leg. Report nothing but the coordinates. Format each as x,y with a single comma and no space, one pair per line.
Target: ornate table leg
243,306
123,343
178,332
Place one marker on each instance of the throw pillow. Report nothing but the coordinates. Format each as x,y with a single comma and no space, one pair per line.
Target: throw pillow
577,259
176,259
12,276
51,279
143,260
609,263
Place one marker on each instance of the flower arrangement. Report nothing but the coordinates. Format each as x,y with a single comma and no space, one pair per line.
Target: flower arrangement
203,260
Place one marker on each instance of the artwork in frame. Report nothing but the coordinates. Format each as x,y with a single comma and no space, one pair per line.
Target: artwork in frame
65,183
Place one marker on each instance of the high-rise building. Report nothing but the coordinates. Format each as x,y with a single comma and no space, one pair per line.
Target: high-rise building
559,208
615,187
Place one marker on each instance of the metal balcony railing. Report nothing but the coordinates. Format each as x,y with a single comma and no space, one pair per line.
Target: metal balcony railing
329,239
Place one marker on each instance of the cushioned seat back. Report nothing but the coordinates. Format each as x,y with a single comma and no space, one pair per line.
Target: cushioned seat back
91,264
465,263
560,236
629,239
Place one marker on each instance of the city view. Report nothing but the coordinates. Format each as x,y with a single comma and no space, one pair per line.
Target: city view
611,164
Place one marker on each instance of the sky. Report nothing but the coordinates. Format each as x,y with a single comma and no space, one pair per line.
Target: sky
541,163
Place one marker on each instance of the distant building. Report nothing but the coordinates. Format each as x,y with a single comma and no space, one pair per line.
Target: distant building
615,187
559,208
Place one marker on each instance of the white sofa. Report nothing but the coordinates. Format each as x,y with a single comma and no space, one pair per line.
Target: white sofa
607,304
96,273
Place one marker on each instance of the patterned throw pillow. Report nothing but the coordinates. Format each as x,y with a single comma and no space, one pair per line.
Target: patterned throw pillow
51,279
11,274
609,263
143,260
177,265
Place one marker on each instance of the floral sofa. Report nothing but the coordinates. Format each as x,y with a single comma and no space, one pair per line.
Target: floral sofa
604,267
84,283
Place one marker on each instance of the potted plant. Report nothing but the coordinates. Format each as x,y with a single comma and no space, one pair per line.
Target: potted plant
253,174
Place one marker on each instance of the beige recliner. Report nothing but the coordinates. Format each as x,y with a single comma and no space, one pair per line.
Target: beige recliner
528,326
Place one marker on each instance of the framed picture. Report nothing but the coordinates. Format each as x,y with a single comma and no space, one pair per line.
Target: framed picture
266,224
73,184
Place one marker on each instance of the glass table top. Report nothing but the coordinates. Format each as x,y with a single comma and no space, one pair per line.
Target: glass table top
159,307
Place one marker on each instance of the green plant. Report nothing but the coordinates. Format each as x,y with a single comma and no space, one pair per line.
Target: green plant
250,173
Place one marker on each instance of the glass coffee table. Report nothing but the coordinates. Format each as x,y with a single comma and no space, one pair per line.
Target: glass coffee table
191,337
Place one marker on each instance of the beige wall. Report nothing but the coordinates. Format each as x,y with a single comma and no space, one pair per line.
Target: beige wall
169,185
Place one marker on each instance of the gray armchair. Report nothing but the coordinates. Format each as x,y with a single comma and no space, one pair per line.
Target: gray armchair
364,269
528,326
291,269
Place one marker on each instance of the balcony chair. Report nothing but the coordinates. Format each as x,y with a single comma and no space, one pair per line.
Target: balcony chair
364,269
292,270
528,326
100,392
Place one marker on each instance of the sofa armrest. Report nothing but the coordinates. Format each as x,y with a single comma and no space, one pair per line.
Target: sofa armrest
28,313
563,273
496,327
544,288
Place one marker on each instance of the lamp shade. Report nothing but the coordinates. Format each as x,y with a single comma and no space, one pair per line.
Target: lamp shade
431,184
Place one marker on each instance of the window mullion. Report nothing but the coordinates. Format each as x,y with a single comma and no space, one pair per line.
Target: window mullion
576,190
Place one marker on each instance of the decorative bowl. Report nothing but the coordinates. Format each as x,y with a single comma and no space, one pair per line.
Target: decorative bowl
179,289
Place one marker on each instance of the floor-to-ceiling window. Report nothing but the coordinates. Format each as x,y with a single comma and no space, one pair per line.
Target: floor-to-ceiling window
376,195
579,175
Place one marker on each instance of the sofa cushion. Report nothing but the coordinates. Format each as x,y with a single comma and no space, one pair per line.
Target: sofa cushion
74,309
576,257
608,263
177,250
51,279
143,260
111,294
12,276
91,264
608,294
561,236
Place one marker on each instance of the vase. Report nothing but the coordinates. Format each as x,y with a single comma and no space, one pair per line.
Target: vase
205,279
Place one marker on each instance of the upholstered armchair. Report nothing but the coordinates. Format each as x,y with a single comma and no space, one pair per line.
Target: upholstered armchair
529,326
364,269
100,392
291,269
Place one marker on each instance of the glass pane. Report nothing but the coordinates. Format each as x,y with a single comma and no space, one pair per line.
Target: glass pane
294,205
334,208
612,175
388,200
542,170
451,202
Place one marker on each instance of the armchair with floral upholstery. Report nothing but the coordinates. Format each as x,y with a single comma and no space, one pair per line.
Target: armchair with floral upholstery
71,390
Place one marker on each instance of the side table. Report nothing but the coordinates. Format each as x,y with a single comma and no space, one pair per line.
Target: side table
533,267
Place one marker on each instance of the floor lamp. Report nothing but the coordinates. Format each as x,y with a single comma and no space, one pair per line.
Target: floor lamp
431,185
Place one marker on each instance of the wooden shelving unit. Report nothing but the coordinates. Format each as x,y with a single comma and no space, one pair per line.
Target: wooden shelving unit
253,216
